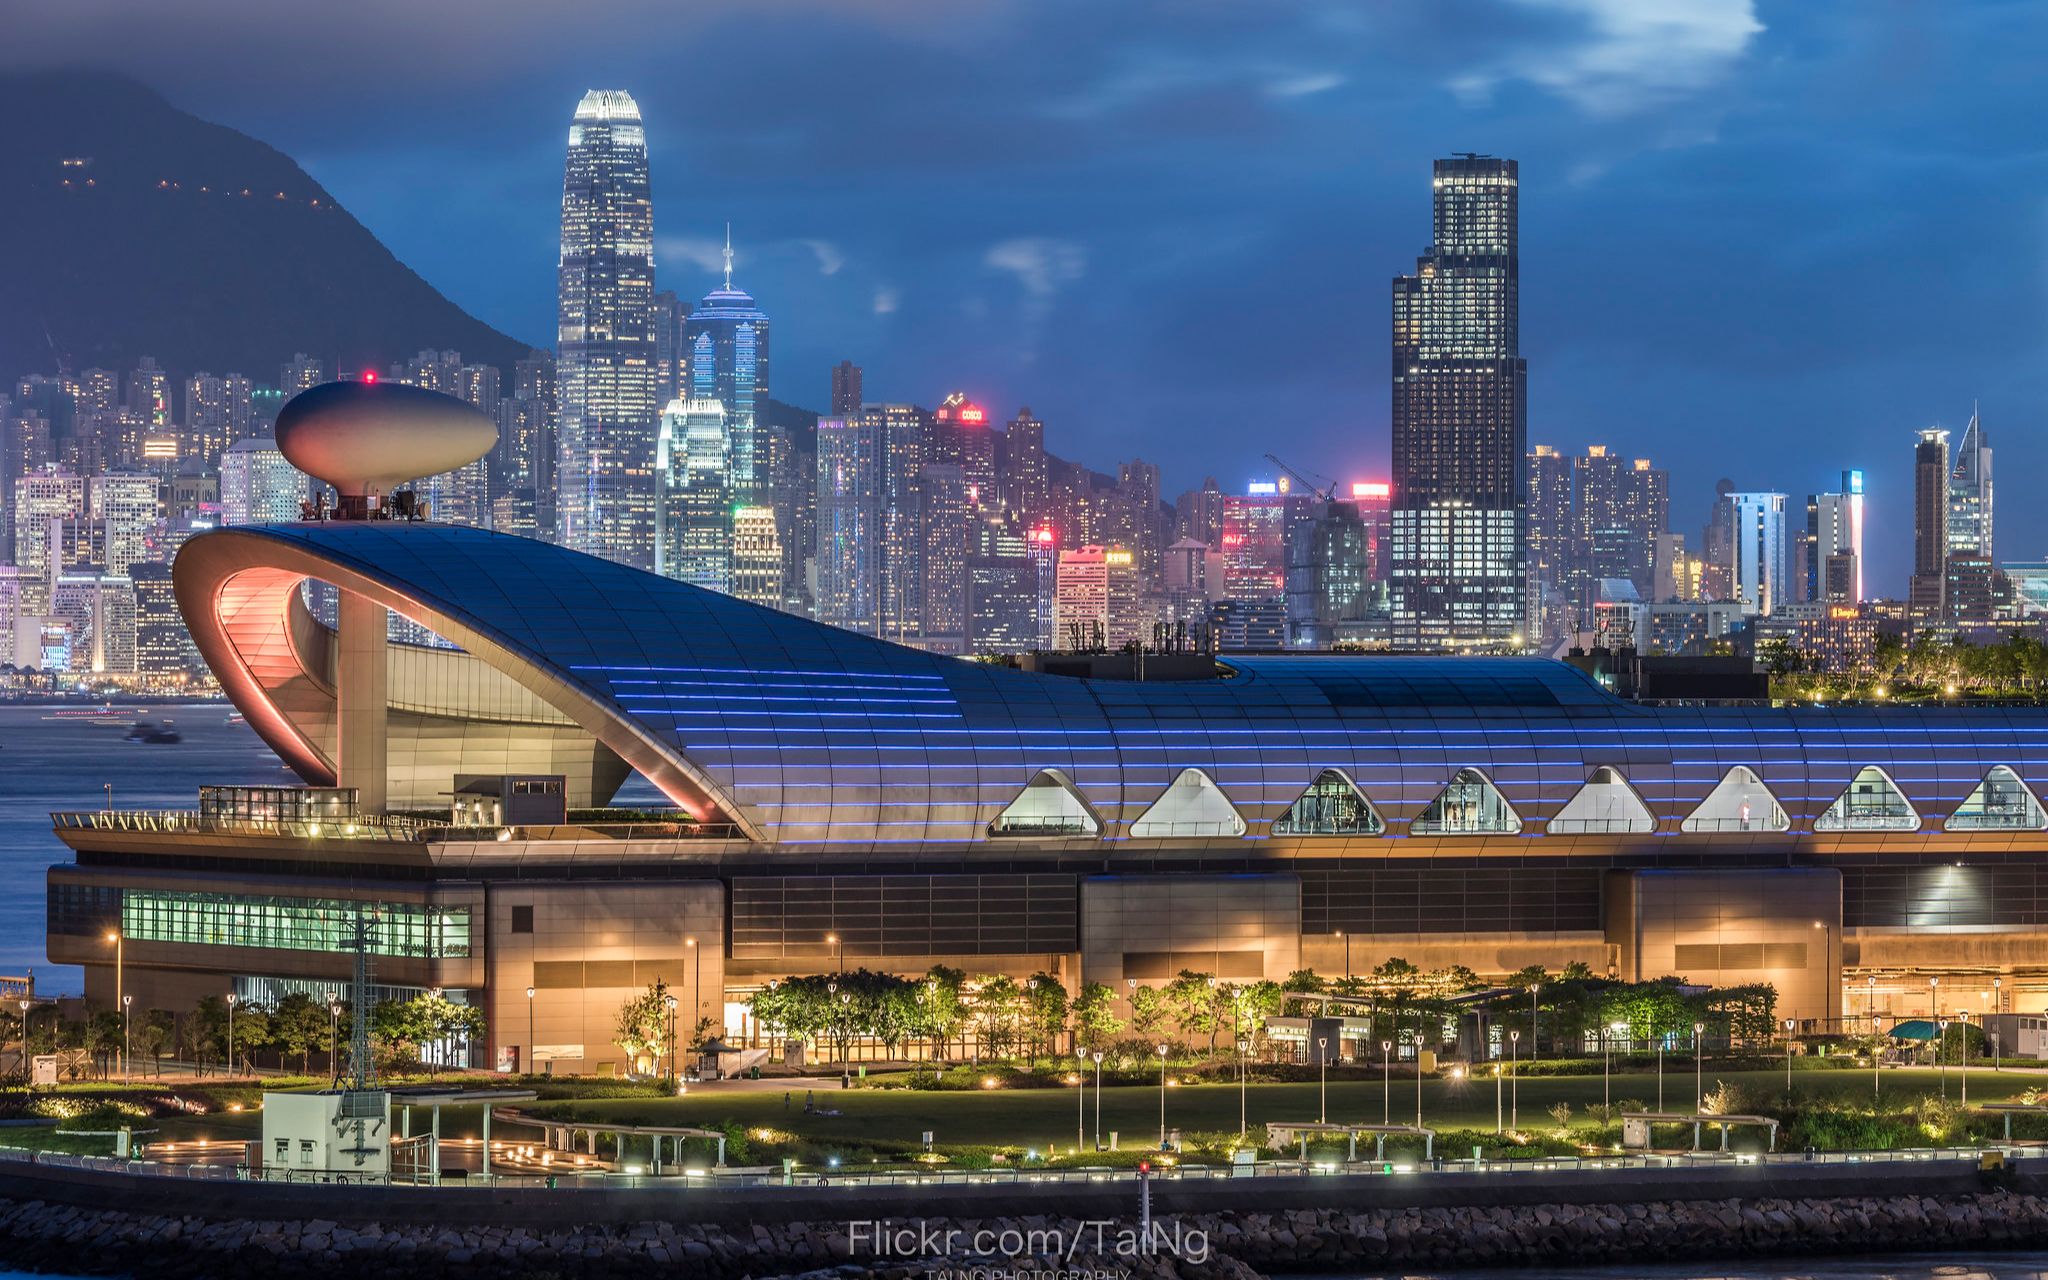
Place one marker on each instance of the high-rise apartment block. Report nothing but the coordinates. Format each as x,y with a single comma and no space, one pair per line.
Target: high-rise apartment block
1457,574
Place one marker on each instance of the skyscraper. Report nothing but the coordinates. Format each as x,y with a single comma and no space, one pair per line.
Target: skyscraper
725,344
1969,494
1930,519
849,520
845,388
257,486
1834,543
1752,528
693,513
605,336
1460,432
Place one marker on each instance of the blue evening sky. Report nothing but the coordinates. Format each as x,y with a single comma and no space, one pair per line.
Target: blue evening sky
1760,240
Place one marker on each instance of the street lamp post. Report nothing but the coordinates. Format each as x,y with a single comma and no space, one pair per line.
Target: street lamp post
1535,1046
1964,1075
1660,1073
696,985
1323,1060
1386,1082
333,1038
846,1040
1827,947
1244,1045
231,1035
1941,1055
1097,1055
669,1004
1514,1079
529,1031
1081,1105
1788,1056
1498,1114
1607,1066
127,1041
1162,1097
1870,1005
120,977
24,1036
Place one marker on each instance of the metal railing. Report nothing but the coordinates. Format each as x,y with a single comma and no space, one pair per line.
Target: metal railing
390,829
1404,1165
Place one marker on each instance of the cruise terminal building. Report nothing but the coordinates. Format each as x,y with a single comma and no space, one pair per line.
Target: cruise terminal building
920,809
840,800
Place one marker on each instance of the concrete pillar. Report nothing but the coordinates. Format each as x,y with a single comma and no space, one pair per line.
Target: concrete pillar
363,694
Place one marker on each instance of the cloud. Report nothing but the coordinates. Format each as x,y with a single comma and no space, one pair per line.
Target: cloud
887,299
1623,56
1304,84
830,256
698,251
1041,263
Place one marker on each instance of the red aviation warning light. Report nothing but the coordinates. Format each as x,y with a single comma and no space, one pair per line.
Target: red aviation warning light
369,375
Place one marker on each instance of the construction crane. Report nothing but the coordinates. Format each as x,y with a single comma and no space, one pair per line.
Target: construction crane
1326,492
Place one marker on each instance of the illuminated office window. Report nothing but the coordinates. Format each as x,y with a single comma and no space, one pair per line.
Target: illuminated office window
1193,806
1470,806
1740,802
1871,803
1605,804
2000,803
292,924
1332,806
1048,806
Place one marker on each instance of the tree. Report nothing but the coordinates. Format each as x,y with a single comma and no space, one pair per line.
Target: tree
251,1025
1306,982
299,1026
941,1006
1096,1023
1148,1011
642,1026
1045,1012
1197,1005
153,1034
998,1005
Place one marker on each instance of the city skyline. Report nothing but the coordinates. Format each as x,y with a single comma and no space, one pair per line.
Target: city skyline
1789,258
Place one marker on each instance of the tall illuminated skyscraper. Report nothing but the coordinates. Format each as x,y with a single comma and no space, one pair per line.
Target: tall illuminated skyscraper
1969,494
1930,520
849,520
1460,425
694,513
605,354
725,350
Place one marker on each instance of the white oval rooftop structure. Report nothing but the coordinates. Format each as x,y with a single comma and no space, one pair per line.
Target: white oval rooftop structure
369,437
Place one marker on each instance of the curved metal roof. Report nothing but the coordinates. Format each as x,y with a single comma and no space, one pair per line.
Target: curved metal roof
806,734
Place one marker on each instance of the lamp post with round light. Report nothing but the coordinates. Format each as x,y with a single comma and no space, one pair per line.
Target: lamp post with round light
1535,1047
127,1040
1964,1074
1699,1056
1941,1054
1162,1097
233,1066
1386,1082
1081,1105
1244,1045
333,1038
1097,1056
1789,1024
1514,1079
529,1031
1607,1062
668,1004
1323,1060
24,1031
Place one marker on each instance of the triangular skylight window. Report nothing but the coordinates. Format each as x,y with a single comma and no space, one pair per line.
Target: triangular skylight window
2000,803
1470,806
1048,806
1740,802
1871,803
1193,807
1606,804
1332,806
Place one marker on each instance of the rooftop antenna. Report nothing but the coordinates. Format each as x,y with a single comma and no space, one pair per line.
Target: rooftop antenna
728,256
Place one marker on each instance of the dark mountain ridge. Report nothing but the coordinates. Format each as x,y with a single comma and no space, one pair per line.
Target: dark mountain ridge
131,228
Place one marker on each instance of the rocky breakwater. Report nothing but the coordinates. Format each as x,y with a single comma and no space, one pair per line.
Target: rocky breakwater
1204,1246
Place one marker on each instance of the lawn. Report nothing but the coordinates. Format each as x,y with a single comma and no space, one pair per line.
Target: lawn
893,1119
1041,1117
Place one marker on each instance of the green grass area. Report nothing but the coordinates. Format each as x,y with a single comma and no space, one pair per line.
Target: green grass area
890,1121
